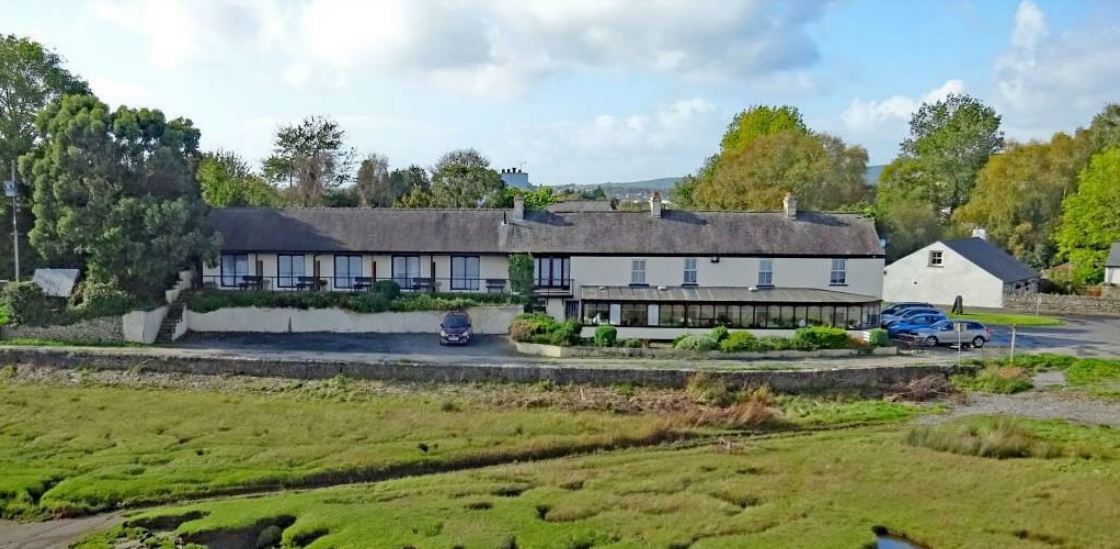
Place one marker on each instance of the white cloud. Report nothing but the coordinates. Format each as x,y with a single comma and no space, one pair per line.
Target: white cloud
1047,83
889,113
482,46
115,93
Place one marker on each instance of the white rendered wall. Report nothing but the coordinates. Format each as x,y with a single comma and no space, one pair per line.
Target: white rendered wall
913,279
484,320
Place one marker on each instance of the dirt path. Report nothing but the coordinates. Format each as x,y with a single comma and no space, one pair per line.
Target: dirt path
54,533
1039,403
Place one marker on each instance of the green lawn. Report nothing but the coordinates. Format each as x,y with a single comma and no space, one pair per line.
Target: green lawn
827,489
1008,319
82,445
1095,377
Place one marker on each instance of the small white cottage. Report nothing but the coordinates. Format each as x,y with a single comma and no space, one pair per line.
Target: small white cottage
1112,265
972,268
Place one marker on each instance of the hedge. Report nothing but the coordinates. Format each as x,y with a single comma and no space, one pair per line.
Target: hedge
541,328
820,337
381,299
28,305
605,336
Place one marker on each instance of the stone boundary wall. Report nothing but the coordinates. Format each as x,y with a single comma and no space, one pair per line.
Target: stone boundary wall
832,380
484,320
556,351
104,329
1062,304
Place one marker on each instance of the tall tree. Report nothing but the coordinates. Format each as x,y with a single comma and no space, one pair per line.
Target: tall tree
311,157
463,179
1091,216
372,185
1018,195
227,181
115,193
952,139
758,121
825,174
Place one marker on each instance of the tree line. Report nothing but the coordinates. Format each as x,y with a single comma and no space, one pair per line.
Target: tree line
1046,202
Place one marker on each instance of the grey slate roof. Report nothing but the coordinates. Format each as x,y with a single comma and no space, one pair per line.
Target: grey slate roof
542,232
723,294
1113,256
989,257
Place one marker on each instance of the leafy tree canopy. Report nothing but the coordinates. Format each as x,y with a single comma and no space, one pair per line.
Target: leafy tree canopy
227,181
115,193
1091,217
463,179
311,157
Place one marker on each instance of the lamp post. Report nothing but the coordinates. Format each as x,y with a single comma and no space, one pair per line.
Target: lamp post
11,191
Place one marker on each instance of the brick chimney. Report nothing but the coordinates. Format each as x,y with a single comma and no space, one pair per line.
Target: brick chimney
655,204
518,208
789,204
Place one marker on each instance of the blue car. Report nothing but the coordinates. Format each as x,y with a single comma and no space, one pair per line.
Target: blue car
915,322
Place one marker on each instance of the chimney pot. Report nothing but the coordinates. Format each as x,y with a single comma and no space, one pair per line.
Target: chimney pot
789,204
655,204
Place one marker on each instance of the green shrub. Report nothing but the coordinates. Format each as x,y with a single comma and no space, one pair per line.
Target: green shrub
994,437
541,328
605,336
995,379
387,289
820,337
709,389
878,337
701,343
28,305
738,342
773,343
632,343
374,301
98,299
719,333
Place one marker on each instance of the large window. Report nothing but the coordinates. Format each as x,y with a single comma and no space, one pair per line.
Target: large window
233,268
464,272
671,315
551,272
690,271
839,275
346,269
289,269
638,272
406,269
634,314
596,313
765,272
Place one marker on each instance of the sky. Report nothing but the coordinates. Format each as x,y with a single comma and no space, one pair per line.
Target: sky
578,91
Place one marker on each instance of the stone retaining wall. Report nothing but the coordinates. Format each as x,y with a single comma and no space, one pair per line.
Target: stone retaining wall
105,329
1062,304
833,380
556,351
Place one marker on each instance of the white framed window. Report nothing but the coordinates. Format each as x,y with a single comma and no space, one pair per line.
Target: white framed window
289,269
765,272
406,268
346,269
552,272
690,270
464,272
637,271
935,258
233,268
839,275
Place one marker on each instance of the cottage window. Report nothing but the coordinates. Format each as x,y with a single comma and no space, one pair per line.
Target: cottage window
289,269
346,269
638,271
406,269
551,272
690,271
839,276
464,272
233,268
765,272
935,258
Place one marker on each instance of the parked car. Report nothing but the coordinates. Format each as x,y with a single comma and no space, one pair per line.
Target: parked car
897,308
945,333
915,322
455,328
906,314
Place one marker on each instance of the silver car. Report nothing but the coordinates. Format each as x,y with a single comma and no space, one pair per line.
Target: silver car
945,333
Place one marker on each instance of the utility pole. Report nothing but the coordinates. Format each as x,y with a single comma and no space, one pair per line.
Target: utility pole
12,192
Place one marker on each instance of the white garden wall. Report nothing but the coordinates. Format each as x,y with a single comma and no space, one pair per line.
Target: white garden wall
484,320
143,326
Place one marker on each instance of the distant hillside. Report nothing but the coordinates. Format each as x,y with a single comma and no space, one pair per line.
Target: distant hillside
660,183
871,176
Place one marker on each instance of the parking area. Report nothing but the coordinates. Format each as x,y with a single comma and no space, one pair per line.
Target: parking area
1080,336
357,344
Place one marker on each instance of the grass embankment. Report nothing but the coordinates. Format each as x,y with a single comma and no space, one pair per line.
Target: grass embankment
825,489
1095,377
39,342
71,448
1009,319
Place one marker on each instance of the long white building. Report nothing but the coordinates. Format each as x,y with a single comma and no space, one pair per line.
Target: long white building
653,273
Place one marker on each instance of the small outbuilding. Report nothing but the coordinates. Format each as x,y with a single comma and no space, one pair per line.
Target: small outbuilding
1112,265
972,268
